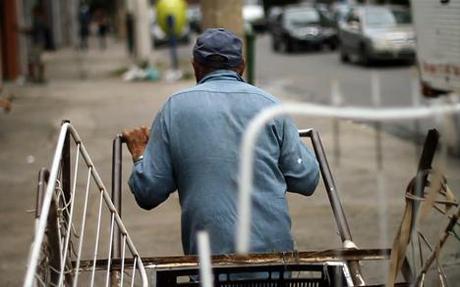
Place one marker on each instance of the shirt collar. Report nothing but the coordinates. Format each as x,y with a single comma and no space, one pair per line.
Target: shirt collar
221,75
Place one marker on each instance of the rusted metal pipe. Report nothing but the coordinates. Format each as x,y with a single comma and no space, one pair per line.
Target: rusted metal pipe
43,176
117,202
329,183
333,195
300,257
426,160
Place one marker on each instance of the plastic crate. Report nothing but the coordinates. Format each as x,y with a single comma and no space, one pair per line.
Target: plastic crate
299,275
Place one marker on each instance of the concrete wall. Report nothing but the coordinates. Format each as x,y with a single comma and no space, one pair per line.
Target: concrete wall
10,46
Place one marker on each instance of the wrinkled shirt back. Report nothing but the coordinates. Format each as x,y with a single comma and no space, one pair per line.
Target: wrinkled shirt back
194,147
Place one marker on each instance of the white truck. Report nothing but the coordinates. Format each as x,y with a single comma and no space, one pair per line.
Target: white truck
437,25
437,28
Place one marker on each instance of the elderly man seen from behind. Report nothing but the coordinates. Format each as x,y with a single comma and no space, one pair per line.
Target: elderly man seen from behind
193,147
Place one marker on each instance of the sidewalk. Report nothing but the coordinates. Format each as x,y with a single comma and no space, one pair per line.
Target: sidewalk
101,105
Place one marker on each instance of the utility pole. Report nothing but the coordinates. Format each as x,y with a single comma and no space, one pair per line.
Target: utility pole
223,14
9,34
143,43
1,67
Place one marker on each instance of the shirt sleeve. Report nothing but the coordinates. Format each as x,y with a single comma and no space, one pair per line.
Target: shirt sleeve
297,163
152,178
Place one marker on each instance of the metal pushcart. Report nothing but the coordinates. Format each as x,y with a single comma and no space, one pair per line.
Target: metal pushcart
66,252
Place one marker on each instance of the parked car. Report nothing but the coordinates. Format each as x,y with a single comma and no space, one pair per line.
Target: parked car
160,38
300,27
377,33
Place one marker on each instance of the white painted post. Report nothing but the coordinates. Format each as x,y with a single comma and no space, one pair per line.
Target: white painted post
204,253
377,103
142,30
415,88
336,101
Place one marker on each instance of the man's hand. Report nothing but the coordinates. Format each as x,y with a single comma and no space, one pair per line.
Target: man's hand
136,140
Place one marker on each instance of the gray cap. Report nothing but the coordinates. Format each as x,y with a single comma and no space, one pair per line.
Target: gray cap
218,48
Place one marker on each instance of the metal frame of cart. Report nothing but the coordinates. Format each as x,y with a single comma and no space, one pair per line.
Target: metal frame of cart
60,238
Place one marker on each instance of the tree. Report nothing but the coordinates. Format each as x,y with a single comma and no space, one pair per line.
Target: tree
223,13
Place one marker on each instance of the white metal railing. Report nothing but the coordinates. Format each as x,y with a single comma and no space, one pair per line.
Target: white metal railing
73,231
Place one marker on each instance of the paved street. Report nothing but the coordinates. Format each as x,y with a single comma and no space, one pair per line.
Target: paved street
308,75
101,105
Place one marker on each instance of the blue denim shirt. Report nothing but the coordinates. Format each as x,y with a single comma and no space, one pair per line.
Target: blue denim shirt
194,148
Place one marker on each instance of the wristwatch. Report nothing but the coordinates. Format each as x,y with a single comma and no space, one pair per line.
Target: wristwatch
139,158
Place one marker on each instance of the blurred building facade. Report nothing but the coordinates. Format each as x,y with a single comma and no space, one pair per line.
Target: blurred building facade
10,65
16,19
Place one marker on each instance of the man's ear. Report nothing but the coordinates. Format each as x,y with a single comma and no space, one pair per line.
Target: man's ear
241,67
197,70
194,65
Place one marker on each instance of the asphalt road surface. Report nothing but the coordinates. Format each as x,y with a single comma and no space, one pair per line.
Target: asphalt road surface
308,75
